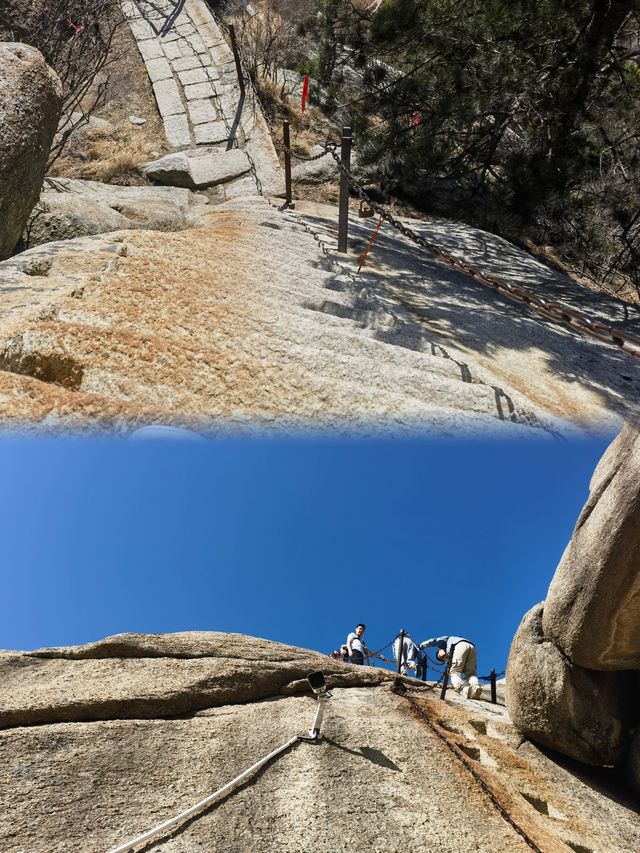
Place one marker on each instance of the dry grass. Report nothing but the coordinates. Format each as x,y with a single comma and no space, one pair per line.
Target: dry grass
107,157
96,154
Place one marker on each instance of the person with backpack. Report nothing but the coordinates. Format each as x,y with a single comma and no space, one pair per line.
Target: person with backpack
356,649
410,656
463,663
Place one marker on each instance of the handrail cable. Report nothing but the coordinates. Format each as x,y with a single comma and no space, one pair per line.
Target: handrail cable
167,824
557,312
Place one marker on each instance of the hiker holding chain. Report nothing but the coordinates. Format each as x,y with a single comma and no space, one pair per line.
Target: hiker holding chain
463,662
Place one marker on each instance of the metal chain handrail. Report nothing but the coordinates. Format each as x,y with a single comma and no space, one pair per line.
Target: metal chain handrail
402,690
313,158
625,341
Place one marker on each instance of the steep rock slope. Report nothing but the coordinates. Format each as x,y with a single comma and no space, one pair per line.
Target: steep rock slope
102,742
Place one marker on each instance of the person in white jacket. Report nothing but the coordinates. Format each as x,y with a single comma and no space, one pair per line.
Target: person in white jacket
410,654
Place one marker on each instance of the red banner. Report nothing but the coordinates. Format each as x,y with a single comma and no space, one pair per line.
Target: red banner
305,92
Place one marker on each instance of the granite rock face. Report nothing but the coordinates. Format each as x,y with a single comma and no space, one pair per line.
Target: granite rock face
103,742
72,208
30,104
576,711
133,676
592,611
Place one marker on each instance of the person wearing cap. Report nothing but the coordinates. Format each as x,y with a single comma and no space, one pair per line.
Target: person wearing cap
409,655
463,662
356,648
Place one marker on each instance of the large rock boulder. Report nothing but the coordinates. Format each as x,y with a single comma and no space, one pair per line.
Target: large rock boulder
72,208
575,711
198,169
145,676
30,104
592,611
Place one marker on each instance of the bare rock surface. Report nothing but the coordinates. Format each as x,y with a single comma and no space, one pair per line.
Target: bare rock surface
147,676
30,104
243,322
563,372
427,775
576,711
71,208
592,611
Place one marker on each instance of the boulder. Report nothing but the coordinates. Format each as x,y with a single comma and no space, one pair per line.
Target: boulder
145,676
592,611
30,104
575,711
71,208
198,169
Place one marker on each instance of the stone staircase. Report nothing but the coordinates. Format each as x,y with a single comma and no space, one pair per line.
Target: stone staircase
195,83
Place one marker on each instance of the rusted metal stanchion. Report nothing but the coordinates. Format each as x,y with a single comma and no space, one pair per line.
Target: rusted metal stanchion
445,677
424,668
343,216
287,162
236,56
401,638
494,680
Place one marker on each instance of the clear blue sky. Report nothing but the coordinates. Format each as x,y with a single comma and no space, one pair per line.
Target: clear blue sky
293,540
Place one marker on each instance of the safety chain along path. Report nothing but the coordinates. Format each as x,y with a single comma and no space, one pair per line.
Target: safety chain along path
222,137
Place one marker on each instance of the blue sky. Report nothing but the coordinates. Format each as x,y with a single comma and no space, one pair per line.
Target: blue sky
294,540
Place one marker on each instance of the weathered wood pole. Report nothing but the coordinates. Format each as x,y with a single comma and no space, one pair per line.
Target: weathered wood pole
343,215
236,56
401,638
445,678
286,137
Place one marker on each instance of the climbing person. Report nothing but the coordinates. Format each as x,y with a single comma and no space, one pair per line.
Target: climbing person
463,662
356,648
410,655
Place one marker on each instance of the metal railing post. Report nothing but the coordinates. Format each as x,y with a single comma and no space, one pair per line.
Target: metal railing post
236,56
343,215
287,162
445,677
494,680
424,667
400,650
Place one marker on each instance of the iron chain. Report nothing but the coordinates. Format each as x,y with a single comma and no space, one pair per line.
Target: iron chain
625,341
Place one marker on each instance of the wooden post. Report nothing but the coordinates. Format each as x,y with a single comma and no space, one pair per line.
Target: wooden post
401,638
236,56
343,215
445,678
287,163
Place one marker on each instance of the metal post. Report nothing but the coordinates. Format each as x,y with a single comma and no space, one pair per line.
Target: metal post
287,163
424,667
236,56
494,679
445,678
401,637
343,215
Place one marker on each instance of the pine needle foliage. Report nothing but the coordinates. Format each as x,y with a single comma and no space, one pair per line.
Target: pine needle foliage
521,116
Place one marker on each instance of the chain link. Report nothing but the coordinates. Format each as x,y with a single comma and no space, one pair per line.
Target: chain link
328,148
625,341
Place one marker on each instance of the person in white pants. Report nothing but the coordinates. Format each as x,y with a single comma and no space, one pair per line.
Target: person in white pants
463,663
